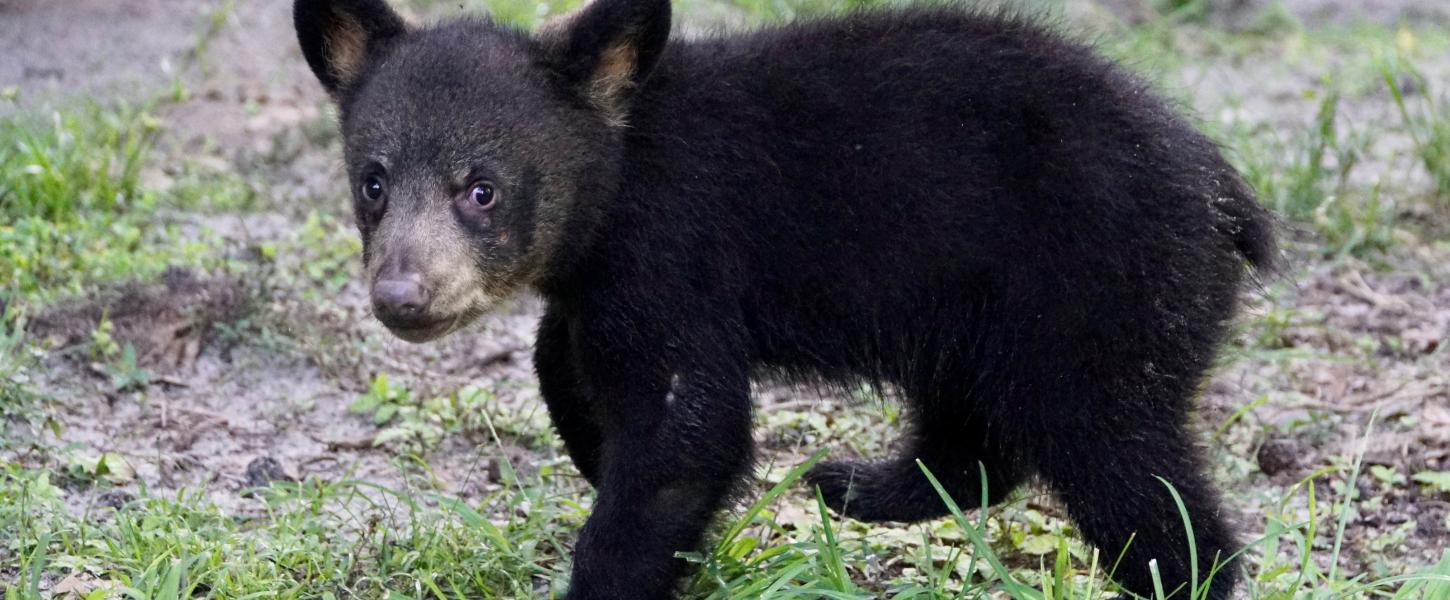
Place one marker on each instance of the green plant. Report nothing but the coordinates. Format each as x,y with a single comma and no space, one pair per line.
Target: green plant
1297,187
527,14
1305,176
78,163
417,423
1428,124
1439,481
73,212
14,361
316,539
1358,229
126,374
107,466
382,400
323,253
209,190
103,343
20,405
1183,10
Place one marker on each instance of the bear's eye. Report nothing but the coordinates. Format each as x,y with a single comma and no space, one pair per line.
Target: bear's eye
482,194
372,188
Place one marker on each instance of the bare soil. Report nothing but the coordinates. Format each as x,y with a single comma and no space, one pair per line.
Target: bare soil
1358,340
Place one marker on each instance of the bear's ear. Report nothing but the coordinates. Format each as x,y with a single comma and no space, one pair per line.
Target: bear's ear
606,49
339,37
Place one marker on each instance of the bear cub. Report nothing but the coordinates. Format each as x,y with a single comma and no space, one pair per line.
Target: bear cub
1020,237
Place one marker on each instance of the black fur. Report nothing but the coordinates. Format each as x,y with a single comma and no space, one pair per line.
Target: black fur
1016,234
312,18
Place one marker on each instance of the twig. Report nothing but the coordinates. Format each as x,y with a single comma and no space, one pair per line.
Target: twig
189,438
171,381
501,355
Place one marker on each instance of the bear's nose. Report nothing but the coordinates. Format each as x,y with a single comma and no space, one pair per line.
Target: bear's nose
404,298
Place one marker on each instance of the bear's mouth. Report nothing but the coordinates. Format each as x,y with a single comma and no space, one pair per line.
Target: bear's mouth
422,329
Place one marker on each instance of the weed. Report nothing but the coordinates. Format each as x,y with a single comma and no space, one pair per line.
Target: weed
72,210
415,424
106,466
78,163
103,343
323,253
195,189
14,360
1305,176
19,404
126,374
317,539
1436,481
1428,124
1298,184
1357,229
362,540
527,14
1183,10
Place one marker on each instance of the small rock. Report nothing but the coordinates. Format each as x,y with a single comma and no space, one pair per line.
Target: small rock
494,471
1431,523
1277,456
115,499
263,470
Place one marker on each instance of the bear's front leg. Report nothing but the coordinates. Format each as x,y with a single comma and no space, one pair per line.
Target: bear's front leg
675,408
574,416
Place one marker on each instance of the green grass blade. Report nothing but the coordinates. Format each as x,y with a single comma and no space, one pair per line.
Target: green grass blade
1188,529
1014,588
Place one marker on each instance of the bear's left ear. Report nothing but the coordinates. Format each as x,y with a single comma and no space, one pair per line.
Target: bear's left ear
339,37
605,50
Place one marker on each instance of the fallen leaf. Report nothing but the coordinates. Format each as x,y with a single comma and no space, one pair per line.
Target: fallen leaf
79,585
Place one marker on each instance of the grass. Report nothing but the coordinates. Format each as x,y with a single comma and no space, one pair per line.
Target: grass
409,422
1329,170
78,163
310,540
78,212
350,538
73,210
1428,124
21,406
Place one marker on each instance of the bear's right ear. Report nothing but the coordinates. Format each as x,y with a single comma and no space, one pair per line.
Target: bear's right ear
338,37
606,49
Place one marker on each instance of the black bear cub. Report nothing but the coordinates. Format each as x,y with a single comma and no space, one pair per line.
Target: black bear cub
1014,233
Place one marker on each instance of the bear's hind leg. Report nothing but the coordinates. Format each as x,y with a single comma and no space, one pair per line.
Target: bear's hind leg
1109,483
951,444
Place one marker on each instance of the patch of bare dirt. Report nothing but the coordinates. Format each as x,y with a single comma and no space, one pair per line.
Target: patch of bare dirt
165,322
242,414
1352,362
1357,340
94,48
1247,13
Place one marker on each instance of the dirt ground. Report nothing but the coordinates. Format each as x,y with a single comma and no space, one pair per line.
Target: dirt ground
1355,341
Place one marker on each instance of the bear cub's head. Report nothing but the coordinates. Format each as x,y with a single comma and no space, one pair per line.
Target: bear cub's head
472,148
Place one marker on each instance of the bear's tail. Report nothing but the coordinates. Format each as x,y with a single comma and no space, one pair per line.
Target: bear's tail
1250,224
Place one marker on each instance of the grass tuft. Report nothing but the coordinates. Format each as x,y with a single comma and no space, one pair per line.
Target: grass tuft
73,210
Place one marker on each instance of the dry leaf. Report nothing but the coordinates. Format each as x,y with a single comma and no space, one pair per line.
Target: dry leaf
79,585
